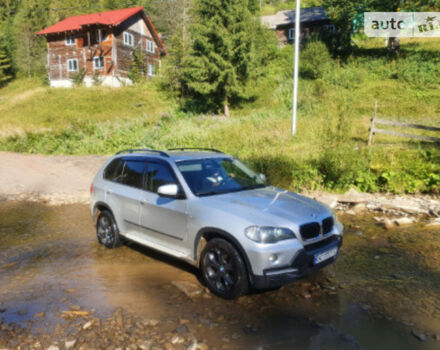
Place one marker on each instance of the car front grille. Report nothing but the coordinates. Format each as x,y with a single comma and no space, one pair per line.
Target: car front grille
313,229
310,230
327,225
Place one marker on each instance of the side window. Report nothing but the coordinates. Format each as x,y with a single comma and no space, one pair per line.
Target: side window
159,174
113,170
132,174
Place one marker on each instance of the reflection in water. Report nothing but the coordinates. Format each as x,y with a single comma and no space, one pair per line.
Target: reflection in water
50,262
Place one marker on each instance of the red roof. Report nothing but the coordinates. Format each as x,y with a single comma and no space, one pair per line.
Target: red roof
109,18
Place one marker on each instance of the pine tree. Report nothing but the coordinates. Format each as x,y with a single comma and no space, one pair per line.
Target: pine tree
218,68
30,50
5,67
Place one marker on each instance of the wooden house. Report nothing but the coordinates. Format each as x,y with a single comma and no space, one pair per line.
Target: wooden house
313,20
100,47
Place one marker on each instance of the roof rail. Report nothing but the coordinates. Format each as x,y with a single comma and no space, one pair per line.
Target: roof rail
194,149
162,153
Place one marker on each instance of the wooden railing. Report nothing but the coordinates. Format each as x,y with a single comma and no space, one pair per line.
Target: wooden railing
376,130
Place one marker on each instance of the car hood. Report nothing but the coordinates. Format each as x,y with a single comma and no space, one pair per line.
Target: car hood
272,202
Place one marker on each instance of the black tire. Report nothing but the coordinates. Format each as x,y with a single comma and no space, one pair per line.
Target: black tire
107,231
223,269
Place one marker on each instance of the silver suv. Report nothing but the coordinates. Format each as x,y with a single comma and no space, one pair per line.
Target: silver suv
209,209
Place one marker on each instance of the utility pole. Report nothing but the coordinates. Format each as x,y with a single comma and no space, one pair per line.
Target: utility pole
296,66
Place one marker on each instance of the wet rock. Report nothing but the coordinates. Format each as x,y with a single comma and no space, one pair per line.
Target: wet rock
404,221
151,323
53,347
405,205
191,290
69,344
306,295
22,312
198,346
365,307
146,345
388,224
119,317
177,340
2,310
418,336
181,329
434,223
88,325
359,208
330,200
235,336
250,329
354,197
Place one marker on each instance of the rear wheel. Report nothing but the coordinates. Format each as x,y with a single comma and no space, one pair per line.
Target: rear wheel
107,231
223,269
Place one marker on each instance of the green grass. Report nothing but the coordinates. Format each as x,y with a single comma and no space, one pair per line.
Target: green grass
328,152
26,105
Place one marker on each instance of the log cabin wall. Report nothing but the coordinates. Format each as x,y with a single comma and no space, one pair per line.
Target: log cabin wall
59,52
141,34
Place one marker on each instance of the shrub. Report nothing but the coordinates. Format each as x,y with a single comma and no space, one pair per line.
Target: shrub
315,60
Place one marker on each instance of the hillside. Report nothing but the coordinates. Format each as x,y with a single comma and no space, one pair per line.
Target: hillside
328,152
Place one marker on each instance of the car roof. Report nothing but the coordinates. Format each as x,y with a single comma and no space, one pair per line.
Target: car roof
175,155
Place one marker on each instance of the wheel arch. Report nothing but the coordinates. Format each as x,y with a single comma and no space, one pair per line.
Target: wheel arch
208,233
99,207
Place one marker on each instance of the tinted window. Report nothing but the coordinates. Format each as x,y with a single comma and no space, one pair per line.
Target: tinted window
132,174
158,175
113,170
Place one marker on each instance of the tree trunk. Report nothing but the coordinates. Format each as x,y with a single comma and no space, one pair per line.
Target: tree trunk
227,110
393,46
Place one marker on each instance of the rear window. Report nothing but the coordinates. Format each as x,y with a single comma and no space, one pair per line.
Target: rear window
126,172
113,170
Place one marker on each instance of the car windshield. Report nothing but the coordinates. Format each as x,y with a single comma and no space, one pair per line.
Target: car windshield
213,176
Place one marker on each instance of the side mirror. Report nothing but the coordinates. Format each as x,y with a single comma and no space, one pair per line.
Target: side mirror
262,177
170,190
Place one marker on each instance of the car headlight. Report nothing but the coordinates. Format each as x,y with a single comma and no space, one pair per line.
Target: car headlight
268,234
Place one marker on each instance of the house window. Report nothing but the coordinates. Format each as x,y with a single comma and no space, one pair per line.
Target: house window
72,65
150,46
101,36
70,40
98,62
150,70
128,39
292,34
329,28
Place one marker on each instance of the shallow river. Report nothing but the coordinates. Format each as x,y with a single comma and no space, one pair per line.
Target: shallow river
382,293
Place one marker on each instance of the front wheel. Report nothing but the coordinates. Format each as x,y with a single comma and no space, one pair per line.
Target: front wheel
223,269
107,231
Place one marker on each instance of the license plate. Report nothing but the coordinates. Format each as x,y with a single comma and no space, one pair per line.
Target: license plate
325,255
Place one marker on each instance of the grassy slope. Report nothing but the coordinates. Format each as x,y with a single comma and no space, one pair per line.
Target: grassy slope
28,106
329,150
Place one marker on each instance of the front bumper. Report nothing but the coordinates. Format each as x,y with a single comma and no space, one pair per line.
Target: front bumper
302,265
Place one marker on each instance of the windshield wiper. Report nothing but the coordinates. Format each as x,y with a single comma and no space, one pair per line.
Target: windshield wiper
211,193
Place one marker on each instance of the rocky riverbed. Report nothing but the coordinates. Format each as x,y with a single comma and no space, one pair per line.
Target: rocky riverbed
60,289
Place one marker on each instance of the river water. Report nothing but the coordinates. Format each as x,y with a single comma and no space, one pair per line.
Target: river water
382,293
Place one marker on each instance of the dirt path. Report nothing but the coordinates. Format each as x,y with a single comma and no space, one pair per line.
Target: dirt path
50,179
58,180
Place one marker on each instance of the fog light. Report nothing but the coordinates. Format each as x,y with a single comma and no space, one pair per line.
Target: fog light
273,258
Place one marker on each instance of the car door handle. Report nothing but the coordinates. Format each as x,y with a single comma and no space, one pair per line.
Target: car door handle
144,201
109,192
